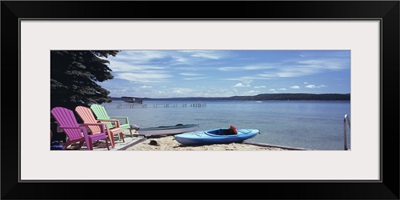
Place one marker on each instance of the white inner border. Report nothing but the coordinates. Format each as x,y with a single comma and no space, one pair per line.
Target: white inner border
39,37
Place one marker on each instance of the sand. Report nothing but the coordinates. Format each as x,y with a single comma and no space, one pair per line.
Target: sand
168,143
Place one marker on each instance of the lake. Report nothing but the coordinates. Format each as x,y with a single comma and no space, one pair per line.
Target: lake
314,125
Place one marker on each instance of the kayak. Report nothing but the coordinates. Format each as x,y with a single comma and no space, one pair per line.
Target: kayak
216,136
167,130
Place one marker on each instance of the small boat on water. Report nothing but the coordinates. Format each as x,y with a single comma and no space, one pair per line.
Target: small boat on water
216,136
167,130
132,100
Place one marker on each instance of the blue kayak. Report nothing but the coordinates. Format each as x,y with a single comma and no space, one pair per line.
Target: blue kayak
215,136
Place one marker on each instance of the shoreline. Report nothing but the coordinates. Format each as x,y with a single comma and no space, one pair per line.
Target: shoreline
168,143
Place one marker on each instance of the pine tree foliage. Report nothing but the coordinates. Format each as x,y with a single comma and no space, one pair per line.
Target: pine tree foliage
74,78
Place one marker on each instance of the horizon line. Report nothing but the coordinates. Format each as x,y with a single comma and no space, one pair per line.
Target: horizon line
238,95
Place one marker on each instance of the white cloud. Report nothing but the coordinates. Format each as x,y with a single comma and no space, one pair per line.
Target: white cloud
150,69
214,55
251,92
247,81
117,66
139,57
245,78
241,85
229,69
289,74
293,68
268,75
330,64
181,91
273,91
194,78
146,86
181,60
124,60
244,83
314,86
206,55
143,77
189,74
311,86
214,92
248,67
295,87
164,61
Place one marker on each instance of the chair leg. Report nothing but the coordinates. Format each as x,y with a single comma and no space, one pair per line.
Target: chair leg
80,145
66,145
111,136
108,148
122,136
91,144
88,142
130,131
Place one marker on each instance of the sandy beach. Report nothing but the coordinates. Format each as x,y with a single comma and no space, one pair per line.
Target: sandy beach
168,143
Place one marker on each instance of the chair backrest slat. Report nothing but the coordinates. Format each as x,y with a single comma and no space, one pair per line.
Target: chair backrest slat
88,117
66,118
101,113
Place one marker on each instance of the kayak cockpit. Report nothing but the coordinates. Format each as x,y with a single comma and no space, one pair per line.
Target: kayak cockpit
222,132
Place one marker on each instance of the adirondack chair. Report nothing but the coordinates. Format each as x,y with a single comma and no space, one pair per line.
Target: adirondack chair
101,114
87,116
77,132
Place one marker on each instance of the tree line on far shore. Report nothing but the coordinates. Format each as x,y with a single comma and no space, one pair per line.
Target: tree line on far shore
265,97
295,96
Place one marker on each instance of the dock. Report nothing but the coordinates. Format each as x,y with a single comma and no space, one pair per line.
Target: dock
123,105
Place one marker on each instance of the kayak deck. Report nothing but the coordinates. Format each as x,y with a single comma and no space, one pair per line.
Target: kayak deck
215,136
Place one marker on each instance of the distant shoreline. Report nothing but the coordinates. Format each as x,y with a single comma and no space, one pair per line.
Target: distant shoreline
263,97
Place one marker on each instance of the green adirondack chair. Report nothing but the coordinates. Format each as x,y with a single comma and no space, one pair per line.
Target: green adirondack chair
101,114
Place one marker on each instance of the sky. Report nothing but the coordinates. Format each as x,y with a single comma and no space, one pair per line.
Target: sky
221,73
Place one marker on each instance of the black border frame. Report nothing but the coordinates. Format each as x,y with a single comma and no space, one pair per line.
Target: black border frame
385,11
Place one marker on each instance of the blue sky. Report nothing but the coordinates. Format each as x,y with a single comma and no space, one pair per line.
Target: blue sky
220,73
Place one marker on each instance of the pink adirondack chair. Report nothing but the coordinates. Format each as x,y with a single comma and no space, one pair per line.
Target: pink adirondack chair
77,132
87,116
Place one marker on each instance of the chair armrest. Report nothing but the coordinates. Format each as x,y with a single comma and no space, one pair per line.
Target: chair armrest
110,120
121,117
93,124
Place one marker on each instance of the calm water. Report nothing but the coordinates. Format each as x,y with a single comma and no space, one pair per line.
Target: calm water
305,124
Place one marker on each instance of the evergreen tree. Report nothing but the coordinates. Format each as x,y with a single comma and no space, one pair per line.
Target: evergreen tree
74,77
